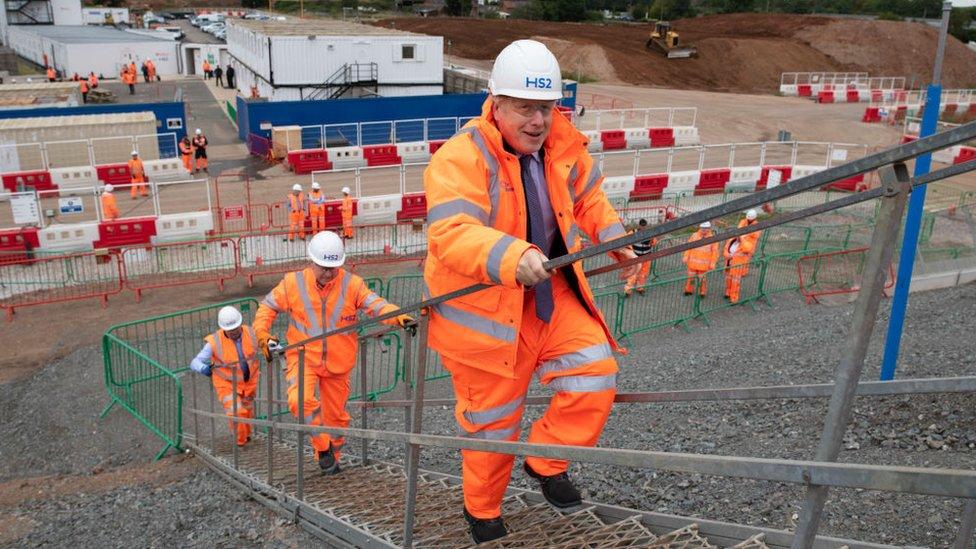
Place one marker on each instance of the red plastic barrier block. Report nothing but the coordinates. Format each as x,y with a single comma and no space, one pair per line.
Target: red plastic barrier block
825,96
785,173
38,180
804,90
849,184
613,140
871,114
309,160
965,155
661,137
381,155
126,232
710,180
412,206
649,187
435,145
333,212
116,174
15,244
877,95
908,139
853,96
950,108
972,109
901,96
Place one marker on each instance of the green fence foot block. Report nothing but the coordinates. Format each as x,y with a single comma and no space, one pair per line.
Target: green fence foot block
162,452
106,410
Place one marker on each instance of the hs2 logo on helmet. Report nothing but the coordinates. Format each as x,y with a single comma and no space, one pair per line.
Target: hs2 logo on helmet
541,83
330,257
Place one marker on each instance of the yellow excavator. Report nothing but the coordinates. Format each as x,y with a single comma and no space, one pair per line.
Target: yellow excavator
665,40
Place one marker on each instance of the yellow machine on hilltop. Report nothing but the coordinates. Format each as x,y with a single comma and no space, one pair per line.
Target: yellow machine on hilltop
665,40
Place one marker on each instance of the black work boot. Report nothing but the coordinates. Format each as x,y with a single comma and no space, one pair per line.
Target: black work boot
483,530
557,489
328,462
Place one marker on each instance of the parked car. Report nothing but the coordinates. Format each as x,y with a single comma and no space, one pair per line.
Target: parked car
175,31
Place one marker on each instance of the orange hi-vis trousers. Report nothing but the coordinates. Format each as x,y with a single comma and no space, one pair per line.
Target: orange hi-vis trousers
639,279
296,224
328,408
737,269
571,355
702,282
317,213
224,388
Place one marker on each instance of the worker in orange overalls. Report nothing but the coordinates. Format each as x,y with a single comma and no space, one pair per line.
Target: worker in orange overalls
641,248
316,207
137,177
232,351
297,210
132,68
738,253
514,187
151,68
206,69
317,299
700,260
83,86
129,77
186,153
51,74
346,208
92,80
110,210
200,151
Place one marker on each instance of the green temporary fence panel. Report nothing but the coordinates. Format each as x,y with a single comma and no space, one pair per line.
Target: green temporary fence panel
605,280
750,289
383,361
404,290
779,274
609,305
409,238
669,263
663,303
785,238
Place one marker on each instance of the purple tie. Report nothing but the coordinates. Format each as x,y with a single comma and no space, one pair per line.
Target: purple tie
537,236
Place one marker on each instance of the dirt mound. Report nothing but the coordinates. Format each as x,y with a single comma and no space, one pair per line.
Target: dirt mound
738,52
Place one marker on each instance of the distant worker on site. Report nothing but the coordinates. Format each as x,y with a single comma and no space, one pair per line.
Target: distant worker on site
137,177
700,260
207,70
129,78
218,77
316,208
83,87
110,209
318,299
232,351
297,211
151,68
515,187
200,151
346,209
92,80
644,247
738,252
145,71
51,75
186,153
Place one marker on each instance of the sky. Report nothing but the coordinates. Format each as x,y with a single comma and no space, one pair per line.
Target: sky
963,3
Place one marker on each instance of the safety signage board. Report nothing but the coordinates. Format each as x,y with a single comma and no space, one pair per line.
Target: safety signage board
25,210
71,205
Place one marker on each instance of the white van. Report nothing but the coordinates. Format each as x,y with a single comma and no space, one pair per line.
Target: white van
208,18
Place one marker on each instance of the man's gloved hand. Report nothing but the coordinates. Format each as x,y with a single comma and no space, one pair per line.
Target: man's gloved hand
207,371
407,322
268,343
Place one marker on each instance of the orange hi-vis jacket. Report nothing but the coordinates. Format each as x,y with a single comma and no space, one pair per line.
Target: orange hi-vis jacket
477,234
110,209
316,202
702,258
742,246
137,172
186,148
297,203
312,314
225,355
346,208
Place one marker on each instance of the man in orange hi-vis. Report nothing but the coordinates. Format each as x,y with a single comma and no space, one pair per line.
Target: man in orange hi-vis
700,260
514,187
297,210
316,207
641,248
110,210
318,299
186,153
232,351
137,177
346,208
738,253
151,68
51,74
200,151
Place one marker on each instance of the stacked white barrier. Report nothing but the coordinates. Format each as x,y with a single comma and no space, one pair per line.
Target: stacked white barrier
183,226
378,209
414,152
618,186
595,144
165,169
801,170
683,182
686,135
948,155
346,157
788,89
744,179
71,237
71,178
638,138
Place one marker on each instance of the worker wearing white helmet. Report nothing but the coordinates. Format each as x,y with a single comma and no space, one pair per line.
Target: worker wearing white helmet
297,212
700,260
200,151
318,299
316,207
110,209
738,252
229,356
530,322
348,209
137,177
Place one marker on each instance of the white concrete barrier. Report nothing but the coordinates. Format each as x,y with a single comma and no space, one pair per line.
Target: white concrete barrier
618,186
165,169
68,237
947,155
801,170
638,138
414,152
686,135
73,178
744,179
681,182
183,226
346,157
788,89
595,145
378,209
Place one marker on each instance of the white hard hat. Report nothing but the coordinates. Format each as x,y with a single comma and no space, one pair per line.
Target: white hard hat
345,190
528,70
229,318
326,250
135,153
198,131
705,225
315,185
296,187
750,215
109,188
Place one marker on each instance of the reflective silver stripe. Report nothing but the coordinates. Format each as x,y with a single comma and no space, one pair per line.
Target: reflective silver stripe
582,357
375,309
370,298
227,399
492,434
611,231
311,415
494,414
595,175
456,207
572,235
573,174
343,282
495,255
314,328
477,323
493,186
269,300
584,384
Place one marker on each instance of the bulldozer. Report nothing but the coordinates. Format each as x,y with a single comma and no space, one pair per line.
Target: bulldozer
665,40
